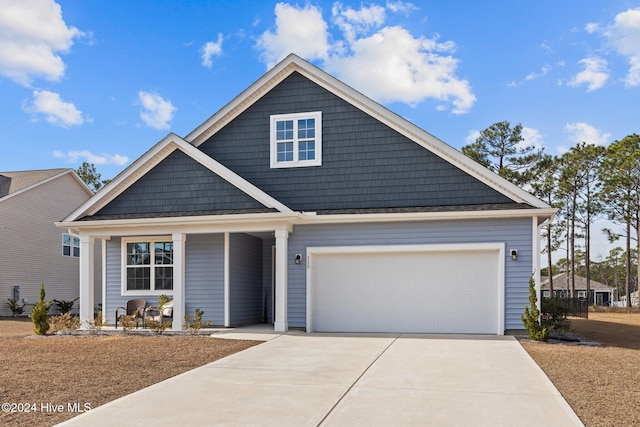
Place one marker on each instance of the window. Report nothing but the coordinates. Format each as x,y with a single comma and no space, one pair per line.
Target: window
296,140
70,245
148,265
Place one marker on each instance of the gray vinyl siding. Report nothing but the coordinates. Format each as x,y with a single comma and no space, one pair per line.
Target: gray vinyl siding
245,277
32,244
365,164
515,233
178,185
204,276
113,275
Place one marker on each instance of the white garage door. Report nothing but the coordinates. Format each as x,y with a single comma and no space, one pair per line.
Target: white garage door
420,289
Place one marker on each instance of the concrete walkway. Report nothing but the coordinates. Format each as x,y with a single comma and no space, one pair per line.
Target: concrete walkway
340,380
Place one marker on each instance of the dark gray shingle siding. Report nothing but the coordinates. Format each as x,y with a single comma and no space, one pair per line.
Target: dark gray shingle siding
179,184
365,164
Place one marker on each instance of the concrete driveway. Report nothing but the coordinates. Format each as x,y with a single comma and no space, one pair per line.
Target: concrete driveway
340,380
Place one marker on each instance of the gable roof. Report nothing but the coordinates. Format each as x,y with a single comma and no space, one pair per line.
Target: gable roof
152,158
294,63
17,182
561,282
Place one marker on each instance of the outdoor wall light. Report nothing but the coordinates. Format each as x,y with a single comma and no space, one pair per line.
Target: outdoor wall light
514,254
298,258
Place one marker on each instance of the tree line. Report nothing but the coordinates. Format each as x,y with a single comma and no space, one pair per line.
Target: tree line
586,183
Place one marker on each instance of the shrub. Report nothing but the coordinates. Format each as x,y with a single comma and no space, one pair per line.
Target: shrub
97,323
531,317
64,306
15,307
40,314
193,325
157,326
554,314
64,323
128,323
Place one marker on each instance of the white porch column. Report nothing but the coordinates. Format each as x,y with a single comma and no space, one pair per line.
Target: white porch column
280,324
86,280
178,280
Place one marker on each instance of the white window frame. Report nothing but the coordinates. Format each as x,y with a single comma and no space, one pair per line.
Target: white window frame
74,243
296,162
152,240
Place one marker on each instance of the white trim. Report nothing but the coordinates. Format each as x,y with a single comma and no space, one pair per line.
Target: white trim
268,221
227,281
281,323
293,63
296,162
123,265
454,247
104,278
151,159
87,282
535,250
179,285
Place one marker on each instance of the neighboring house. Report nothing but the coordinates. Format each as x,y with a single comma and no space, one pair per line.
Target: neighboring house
35,251
635,300
600,294
304,203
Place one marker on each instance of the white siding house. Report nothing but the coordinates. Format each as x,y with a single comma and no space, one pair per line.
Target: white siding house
35,251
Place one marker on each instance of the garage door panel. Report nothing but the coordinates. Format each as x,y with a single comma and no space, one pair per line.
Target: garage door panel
420,291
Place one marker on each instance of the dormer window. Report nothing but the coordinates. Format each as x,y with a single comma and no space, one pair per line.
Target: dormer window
296,140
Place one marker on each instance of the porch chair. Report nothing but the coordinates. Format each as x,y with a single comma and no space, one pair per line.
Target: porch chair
134,310
158,314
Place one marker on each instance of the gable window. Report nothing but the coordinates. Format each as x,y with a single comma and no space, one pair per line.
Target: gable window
296,140
148,265
70,245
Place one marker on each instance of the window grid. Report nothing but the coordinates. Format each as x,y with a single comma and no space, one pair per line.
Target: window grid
70,245
149,266
296,140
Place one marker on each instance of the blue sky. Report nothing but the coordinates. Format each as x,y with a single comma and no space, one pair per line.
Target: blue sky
103,81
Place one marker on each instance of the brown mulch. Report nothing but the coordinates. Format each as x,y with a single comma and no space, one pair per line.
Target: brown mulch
602,384
76,370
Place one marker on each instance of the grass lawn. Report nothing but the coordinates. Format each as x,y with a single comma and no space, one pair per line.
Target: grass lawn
62,370
602,384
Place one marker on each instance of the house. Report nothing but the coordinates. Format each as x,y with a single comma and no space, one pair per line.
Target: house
305,204
635,300
35,251
600,294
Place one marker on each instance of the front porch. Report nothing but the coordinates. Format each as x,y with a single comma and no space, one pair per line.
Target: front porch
236,277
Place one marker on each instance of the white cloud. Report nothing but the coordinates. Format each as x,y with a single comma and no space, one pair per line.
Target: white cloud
624,36
583,132
591,27
594,75
472,136
531,138
543,72
156,111
392,65
55,110
401,6
298,30
86,155
386,63
357,22
32,35
211,49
